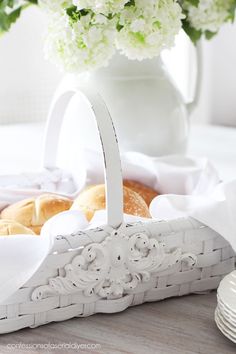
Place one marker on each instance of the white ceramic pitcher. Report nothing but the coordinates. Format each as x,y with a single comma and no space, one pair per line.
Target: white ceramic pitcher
148,110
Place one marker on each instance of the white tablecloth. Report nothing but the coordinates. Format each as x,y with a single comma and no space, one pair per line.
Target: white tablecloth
21,147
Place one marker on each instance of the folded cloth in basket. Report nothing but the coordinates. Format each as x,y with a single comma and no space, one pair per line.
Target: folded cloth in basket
216,209
169,174
26,185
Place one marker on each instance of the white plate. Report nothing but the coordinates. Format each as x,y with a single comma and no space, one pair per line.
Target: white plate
227,291
226,311
226,334
226,306
223,328
223,325
227,316
230,327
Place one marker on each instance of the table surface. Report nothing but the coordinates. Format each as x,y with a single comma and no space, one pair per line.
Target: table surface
179,325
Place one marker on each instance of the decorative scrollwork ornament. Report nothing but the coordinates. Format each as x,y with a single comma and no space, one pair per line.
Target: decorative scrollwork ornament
114,267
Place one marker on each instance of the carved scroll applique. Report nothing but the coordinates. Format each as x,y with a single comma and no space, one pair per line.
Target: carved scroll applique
114,267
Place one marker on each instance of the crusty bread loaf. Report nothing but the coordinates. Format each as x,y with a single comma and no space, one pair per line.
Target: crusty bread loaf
147,193
93,199
34,212
11,227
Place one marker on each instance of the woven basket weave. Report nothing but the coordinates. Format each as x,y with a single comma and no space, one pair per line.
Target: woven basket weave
110,268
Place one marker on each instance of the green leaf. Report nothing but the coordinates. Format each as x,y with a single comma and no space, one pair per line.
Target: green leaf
193,2
14,15
4,22
130,3
10,12
193,34
209,35
7,3
119,27
232,12
83,12
75,14
11,3
70,10
3,5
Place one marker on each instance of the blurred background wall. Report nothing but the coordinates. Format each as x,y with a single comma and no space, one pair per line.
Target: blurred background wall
220,77
27,80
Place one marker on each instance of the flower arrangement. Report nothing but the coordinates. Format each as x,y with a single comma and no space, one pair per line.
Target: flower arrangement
84,34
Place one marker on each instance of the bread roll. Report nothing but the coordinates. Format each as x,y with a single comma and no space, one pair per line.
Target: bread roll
34,212
147,193
93,199
11,227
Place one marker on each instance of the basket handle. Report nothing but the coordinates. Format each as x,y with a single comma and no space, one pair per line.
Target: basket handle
108,138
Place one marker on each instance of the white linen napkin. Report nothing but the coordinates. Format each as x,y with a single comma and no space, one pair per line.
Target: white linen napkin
22,255
170,174
26,185
216,209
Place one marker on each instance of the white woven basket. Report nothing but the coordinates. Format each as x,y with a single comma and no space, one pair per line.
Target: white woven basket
119,265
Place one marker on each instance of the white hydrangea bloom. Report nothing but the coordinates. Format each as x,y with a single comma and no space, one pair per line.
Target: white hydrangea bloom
80,46
101,6
147,29
209,15
54,5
